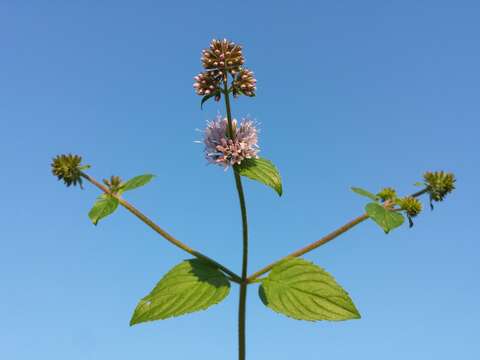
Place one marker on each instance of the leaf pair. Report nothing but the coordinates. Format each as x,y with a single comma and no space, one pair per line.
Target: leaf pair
294,287
387,219
106,204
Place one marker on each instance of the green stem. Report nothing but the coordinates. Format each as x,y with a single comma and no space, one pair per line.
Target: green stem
234,277
420,192
241,196
334,234
311,247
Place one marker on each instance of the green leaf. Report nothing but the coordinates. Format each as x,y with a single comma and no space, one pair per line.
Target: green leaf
136,182
366,193
207,97
261,170
304,291
104,206
419,183
192,285
386,219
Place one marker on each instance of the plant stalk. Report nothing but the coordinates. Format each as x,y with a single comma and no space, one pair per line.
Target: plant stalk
311,246
241,196
321,241
234,277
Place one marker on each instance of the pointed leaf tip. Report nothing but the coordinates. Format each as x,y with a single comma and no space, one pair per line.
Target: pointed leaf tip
207,97
386,219
192,285
104,206
136,182
262,170
365,193
304,291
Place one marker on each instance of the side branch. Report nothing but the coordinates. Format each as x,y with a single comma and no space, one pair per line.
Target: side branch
320,242
234,277
311,247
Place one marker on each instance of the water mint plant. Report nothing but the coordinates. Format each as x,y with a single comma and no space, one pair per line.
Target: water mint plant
291,286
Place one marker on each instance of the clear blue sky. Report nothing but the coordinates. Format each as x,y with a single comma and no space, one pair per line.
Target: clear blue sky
365,93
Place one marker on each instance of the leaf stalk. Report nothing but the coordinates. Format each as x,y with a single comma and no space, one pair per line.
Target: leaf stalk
159,230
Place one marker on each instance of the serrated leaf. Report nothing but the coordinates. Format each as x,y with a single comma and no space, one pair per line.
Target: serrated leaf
304,291
104,206
261,170
364,192
386,219
192,285
136,182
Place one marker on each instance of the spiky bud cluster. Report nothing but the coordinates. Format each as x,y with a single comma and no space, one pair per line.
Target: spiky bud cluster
207,83
113,184
411,205
387,194
439,184
68,169
223,54
244,83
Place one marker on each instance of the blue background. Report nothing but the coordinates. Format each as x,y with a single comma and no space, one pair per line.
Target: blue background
363,93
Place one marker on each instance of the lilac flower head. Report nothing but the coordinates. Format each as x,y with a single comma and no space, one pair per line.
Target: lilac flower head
223,151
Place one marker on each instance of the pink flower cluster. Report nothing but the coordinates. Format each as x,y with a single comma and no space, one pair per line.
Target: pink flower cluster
223,151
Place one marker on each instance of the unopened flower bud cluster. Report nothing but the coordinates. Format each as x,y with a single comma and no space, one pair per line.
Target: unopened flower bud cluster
224,57
244,83
114,183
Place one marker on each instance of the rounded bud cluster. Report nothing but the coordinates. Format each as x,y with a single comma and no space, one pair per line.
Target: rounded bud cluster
113,183
207,83
223,54
411,205
439,184
68,169
387,194
221,59
244,83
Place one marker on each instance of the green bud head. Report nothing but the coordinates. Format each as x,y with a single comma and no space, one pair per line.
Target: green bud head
68,169
387,193
411,205
439,184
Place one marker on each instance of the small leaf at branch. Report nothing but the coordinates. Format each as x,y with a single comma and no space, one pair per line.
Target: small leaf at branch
136,182
386,219
366,193
192,285
104,206
207,97
304,291
263,171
